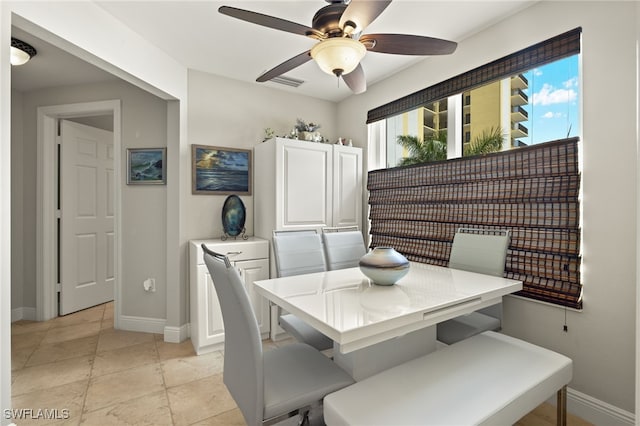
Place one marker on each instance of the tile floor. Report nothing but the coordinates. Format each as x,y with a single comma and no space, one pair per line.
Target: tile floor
90,374
104,376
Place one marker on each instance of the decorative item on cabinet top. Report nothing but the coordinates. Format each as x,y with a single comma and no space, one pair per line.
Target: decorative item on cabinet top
233,217
220,170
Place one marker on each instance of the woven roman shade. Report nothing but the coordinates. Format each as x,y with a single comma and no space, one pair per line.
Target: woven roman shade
531,191
550,50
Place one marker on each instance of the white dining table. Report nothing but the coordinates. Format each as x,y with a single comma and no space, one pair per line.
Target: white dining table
375,327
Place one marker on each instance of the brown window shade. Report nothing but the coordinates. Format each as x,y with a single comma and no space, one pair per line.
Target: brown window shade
550,50
531,191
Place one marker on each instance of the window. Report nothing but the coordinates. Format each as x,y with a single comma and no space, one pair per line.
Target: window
536,106
526,106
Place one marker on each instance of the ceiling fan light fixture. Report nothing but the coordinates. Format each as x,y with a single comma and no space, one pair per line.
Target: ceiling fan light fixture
21,52
338,55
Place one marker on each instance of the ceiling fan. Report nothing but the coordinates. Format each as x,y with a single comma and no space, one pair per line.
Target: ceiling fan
341,45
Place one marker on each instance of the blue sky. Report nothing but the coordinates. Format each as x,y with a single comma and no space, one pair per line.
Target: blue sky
554,96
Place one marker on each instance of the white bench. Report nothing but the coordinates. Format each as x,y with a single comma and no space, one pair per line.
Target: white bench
488,379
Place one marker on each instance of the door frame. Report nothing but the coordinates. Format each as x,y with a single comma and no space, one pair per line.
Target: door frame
46,235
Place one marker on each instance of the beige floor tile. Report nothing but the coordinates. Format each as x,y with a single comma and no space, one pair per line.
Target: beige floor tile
115,339
46,376
199,400
124,358
152,410
229,418
106,325
27,340
87,315
51,352
174,350
65,402
19,357
178,371
21,327
108,311
72,332
123,386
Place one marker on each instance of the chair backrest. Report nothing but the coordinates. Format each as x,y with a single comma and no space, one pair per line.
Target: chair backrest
343,247
480,250
243,374
298,252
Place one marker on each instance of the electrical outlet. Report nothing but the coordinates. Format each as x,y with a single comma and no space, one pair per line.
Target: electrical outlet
149,285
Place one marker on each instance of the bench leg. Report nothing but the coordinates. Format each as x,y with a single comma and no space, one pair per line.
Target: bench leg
561,415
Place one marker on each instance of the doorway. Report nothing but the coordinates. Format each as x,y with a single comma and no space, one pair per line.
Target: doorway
47,201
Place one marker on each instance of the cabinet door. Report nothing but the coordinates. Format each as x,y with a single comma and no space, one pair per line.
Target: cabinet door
304,190
250,271
210,327
347,186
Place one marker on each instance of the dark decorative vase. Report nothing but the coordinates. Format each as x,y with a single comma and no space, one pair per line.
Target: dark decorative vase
384,265
233,217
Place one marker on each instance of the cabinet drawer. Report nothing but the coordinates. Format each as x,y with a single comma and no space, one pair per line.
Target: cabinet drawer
253,248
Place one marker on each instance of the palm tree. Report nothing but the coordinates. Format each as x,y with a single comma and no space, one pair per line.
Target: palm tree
486,142
432,149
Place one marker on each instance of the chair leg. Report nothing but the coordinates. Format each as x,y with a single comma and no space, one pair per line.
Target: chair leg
561,414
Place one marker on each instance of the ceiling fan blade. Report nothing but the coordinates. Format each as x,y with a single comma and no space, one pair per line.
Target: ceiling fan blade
405,44
269,21
286,66
355,80
362,13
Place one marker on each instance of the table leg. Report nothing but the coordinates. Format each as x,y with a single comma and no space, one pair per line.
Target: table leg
561,414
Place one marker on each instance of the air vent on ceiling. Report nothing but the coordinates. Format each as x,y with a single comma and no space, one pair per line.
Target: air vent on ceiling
287,81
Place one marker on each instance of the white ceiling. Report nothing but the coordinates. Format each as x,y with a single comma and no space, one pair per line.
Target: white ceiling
200,38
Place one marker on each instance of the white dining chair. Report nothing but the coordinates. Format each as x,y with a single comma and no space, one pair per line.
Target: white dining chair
343,246
268,386
296,253
483,251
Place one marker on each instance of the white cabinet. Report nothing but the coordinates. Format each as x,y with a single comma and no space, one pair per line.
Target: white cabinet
251,258
302,185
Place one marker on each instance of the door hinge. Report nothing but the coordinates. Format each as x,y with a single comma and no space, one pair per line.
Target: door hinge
58,287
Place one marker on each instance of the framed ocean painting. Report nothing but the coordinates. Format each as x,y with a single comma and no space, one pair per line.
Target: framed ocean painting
220,171
146,166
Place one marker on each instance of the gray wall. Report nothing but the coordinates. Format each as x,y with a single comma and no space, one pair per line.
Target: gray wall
601,338
144,221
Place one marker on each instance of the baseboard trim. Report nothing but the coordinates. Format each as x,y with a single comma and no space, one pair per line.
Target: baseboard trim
176,334
143,324
596,411
28,314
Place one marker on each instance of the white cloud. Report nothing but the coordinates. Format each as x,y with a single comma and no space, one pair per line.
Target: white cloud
549,95
551,115
572,82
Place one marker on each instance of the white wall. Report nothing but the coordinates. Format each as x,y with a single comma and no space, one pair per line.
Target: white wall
17,199
230,113
601,338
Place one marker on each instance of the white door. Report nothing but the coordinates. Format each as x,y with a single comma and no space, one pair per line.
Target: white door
87,216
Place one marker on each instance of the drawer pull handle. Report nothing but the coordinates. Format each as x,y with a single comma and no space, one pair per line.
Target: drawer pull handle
233,253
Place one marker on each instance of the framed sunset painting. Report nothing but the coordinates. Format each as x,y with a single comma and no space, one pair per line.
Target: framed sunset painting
220,170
